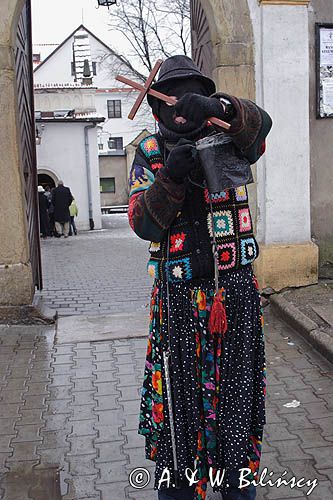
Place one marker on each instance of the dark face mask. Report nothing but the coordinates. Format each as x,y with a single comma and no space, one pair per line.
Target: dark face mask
166,114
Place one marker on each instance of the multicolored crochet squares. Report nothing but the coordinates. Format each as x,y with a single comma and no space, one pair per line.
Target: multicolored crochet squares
151,149
140,178
241,193
179,269
226,255
244,220
248,250
177,242
220,197
152,268
222,223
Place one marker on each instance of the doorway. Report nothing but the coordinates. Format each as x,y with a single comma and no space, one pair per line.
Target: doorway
46,180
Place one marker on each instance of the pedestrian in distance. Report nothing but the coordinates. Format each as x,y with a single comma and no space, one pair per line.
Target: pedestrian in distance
43,214
203,394
73,212
61,200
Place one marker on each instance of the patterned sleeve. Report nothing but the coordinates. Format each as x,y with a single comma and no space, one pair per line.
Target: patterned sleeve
249,127
154,201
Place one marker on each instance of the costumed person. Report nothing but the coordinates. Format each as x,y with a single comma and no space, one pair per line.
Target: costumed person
203,394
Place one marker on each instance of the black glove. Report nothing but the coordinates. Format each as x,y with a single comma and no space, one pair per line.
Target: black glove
181,160
198,108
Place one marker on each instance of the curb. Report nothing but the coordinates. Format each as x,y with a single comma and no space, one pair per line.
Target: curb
304,325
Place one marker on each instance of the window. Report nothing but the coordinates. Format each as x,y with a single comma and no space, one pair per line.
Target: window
72,69
100,146
36,58
94,68
107,185
115,143
114,108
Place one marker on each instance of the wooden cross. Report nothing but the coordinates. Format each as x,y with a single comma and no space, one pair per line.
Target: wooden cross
145,89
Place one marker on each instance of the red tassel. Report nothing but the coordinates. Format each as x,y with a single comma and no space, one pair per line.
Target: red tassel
218,316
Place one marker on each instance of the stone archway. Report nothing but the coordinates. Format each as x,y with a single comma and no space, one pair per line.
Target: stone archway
223,44
16,275
44,173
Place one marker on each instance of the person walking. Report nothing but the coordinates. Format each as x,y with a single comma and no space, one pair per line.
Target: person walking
203,394
61,200
73,212
43,214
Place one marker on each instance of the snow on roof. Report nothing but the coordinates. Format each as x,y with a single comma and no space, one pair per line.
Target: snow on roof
81,53
56,85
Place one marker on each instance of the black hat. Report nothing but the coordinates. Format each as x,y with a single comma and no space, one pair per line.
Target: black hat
176,67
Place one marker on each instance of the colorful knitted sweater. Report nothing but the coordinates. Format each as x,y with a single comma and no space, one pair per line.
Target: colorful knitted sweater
176,218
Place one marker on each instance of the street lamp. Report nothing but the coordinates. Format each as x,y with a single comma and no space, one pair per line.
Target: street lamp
106,3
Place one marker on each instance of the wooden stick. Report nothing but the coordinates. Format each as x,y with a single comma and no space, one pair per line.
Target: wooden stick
163,97
145,89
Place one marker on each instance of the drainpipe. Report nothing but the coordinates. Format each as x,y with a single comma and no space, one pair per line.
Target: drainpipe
86,146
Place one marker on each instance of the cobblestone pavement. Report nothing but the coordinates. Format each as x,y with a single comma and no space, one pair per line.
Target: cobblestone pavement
97,271
69,412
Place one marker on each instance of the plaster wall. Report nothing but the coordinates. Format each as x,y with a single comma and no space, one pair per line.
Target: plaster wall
82,100
114,166
282,75
122,127
62,151
321,147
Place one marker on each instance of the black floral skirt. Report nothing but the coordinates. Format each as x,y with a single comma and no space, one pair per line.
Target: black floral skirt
218,381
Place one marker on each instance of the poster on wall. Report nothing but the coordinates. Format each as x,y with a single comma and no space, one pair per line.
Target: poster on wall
324,69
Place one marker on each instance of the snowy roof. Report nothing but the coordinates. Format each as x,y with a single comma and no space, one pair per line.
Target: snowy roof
68,115
56,85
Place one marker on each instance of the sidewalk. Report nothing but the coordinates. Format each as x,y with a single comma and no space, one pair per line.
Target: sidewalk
310,311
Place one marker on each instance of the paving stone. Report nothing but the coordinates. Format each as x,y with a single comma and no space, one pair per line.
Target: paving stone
5,441
131,407
57,422
108,433
31,402
59,406
134,440
80,487
53,439
9,397
36,388
81,446
83,384
60,380
106,376
63,359
130,394
278,432
114,490
131,423
82,412
24,451
325,425
53,457
298,420
83,354
27,433
318,410
109,402
62,370
9,410
33,416
62,392
82,465
110,452
112,472
83,428
290,450
127,380
83,397
41,376
106,388
16,384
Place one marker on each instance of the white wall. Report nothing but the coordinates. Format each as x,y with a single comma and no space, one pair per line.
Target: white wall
62,152
282,88
123,127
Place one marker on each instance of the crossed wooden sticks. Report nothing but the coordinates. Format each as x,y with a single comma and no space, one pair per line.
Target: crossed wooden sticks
145,89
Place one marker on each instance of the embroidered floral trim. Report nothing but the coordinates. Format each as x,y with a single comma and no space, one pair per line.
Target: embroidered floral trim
179,269
150,146
226,255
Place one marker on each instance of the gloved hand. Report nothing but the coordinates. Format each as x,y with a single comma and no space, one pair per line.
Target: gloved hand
198,108
181,160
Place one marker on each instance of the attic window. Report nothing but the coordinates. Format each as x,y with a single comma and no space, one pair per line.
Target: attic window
94,68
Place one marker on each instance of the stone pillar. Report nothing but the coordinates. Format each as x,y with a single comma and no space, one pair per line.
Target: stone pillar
16,284
288,257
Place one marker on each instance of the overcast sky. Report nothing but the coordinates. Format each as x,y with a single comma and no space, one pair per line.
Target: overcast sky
54,20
